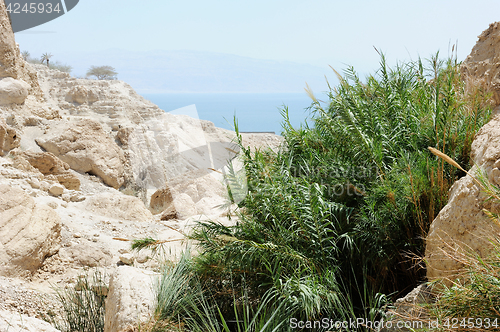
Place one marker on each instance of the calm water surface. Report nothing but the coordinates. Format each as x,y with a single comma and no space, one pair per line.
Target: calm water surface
254,111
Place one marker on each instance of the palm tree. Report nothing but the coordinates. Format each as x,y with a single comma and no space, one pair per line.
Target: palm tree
25,55
46,57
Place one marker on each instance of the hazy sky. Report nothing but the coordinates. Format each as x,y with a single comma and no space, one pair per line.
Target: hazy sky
321,32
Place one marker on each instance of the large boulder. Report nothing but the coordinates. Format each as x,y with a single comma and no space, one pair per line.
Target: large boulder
29,232
118,206
86,147
9,138
462,224
131,298
48,164
13,91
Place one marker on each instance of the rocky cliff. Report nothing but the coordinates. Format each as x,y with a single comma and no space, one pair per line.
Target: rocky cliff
86,165
462,225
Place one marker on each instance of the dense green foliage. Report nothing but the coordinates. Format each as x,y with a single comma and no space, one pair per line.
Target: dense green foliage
332,225
339,214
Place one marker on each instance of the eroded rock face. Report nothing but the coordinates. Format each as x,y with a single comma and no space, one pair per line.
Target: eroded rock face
81,95
9,138
86,255
131,298
22,79
118,207
462,222
48,164
29,232
481,66
87,148
192,193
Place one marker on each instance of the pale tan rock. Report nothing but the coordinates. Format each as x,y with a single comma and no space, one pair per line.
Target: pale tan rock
161,199
192,193
87,148
9,138
462,225
481,65
13,91
56,190
118,206
170,213
48,164
123,134
16,322
184,206
131,298
86,254
29,232
127,259
80,94
22,164
45,162
69,180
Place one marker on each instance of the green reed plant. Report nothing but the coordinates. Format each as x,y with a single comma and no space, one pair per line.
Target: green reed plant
345,204
333,220
83,308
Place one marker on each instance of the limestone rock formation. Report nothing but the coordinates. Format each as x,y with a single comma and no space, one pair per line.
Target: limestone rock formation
87,148
481,65
462,224
13,321
118,207
9,138
86,255
191,193
22,79
48,164
81,95
130,298
29,232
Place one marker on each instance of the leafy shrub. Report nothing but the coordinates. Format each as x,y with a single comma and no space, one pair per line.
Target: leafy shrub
102,72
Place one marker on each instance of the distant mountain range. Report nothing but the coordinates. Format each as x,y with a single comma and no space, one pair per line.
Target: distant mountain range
191,71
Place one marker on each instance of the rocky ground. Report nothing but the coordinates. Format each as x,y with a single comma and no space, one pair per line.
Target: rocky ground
85,167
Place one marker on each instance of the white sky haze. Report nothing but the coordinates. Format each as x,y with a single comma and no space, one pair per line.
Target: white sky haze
316,32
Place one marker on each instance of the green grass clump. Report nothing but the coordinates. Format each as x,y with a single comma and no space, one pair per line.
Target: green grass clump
83,307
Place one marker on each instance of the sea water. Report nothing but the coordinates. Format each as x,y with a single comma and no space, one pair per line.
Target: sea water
254,112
